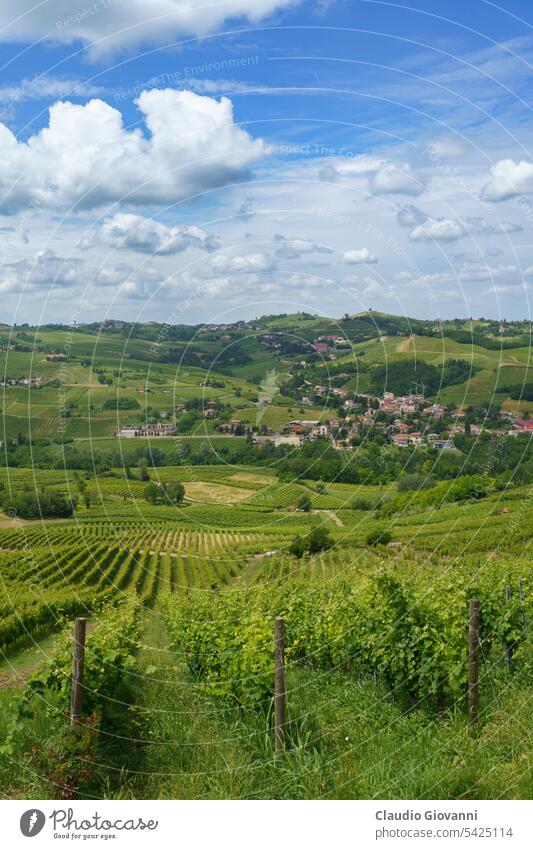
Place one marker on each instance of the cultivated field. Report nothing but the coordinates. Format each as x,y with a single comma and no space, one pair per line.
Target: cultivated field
180,603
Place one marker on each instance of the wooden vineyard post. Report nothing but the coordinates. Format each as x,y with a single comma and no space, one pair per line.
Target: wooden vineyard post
78,658
522,607
279,684
473,661
508,648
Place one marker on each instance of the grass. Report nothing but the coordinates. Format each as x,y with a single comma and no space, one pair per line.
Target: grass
347,739
214,492
37,411
16,667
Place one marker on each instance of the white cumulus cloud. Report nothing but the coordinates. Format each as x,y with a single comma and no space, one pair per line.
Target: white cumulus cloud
356,257
445,148
145,235
110,24
380,176
220,264
508,179
449,230
131,283
294,248
87,158
396,179
40,272
437,229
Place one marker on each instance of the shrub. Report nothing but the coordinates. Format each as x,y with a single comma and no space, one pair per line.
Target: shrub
378,537
304,503
121,404
415,481
298,547
360,503
320,539
152,493
45,503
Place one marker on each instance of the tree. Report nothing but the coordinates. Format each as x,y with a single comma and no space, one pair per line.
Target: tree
415,481
360,503
298,547
81,483
320,539
152,493
304,503
143,471
121,404
174,492
45,503
378,537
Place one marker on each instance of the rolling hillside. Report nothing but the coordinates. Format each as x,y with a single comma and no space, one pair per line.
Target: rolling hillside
97,378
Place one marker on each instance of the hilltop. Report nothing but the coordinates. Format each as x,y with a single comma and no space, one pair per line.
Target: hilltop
90,380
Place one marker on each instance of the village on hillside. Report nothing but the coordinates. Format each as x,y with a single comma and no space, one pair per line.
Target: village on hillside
406,420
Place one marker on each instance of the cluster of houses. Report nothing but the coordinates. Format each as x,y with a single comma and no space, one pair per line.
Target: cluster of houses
132,431
521,426
327,344
400,432
406,430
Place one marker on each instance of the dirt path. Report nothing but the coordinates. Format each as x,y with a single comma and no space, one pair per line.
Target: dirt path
16,669
333,516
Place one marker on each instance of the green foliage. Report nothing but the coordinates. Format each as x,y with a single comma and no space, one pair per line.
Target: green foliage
319,539
518,391
110,652
39,610
172,492
393,622
121,403
152,493
414,481
227,646
359,502
298,547
45,503
144,474
304,503
407,376
378,537
467,487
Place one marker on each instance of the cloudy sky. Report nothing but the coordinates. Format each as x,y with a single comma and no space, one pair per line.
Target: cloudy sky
211,160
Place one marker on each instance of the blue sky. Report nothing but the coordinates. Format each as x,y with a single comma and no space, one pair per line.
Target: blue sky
218,160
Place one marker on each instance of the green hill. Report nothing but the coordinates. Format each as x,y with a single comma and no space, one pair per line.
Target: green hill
88,368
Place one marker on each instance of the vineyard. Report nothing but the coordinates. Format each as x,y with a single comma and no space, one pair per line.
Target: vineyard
388,621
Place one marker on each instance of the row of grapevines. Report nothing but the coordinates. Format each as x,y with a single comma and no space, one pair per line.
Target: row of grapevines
110,652
411,630
31,613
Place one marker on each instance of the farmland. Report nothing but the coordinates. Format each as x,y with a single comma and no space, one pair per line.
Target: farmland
97,379
371,556
193,570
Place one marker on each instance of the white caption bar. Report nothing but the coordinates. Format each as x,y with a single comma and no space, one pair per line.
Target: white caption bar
268,825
